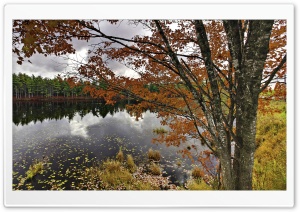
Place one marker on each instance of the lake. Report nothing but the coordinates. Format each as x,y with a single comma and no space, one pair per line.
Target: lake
72,135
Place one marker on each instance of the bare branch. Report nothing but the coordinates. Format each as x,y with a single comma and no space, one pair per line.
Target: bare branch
273,73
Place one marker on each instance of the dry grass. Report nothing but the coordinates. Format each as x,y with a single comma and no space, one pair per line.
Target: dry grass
196,173
114,175
155,169
120,156
197,184
130,164
112,166
154,155
159,130
117,179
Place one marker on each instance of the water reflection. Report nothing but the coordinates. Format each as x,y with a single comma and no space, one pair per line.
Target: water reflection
24,113
83,133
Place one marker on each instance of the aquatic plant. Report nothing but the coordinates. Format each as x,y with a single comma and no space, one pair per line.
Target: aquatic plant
130,164
112,166
159,130
120,155
154,155
117,180
155,169
34,169
178,163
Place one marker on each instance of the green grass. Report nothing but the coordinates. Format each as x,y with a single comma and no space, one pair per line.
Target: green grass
269,171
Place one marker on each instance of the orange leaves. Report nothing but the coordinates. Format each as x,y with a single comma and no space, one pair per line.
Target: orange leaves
277,47
280,91
45,36
208,161
186,153
167,72
278,35
71,82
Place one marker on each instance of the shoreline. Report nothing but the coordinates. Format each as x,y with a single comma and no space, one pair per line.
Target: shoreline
56,99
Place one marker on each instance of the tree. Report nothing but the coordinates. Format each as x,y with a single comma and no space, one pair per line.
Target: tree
56,86
209,75
16,85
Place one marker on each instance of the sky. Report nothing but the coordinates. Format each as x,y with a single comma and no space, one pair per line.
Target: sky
51,66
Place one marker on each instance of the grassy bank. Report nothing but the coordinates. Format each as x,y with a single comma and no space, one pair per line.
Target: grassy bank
55,99
269,171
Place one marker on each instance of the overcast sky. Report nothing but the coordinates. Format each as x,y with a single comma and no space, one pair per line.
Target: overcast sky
50,66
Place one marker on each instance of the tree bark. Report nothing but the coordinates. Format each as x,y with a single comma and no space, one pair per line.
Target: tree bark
248,88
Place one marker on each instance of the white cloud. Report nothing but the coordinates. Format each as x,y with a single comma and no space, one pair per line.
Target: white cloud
51,65
79,126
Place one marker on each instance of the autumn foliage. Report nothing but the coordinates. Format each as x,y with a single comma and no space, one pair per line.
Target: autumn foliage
208,76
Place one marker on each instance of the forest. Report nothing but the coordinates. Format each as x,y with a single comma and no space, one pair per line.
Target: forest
36,87
25,86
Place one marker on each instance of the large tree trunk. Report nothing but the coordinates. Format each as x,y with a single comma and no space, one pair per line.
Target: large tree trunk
249,81
248,61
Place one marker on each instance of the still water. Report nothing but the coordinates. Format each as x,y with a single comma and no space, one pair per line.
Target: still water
71,135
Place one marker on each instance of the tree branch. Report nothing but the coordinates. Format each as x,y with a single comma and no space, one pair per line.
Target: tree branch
273,73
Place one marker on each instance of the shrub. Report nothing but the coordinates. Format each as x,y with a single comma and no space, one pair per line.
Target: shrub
154,155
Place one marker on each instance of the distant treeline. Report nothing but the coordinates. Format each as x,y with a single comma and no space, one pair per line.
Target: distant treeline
33,87
25,86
